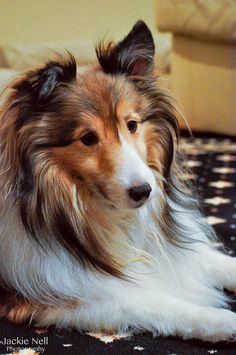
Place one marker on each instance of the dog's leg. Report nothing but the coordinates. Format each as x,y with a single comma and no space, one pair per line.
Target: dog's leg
162,314
222,267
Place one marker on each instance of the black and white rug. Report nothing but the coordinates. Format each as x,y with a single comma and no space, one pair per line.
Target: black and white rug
213,163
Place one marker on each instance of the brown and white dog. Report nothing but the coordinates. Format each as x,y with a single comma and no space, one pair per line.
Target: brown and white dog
98,229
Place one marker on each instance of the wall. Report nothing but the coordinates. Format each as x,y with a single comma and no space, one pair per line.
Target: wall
35,21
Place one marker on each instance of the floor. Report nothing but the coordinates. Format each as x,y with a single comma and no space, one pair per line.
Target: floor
213,163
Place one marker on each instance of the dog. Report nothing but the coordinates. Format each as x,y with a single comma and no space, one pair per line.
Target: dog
98,229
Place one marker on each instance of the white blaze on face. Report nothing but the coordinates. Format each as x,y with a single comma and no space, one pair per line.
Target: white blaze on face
132,171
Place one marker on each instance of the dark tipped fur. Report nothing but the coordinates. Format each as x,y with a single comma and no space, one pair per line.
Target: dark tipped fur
35,90
41,119
69,235
132,56
46,210
40,83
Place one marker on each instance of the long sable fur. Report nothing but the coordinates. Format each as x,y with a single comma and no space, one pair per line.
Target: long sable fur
43,192
138,65
72,260
45,202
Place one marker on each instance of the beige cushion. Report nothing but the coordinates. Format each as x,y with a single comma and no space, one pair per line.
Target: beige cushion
163,44
203,79
3,63
25,56
6,76
206,19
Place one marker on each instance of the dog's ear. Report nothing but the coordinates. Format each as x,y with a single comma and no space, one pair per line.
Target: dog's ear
133,56
39,84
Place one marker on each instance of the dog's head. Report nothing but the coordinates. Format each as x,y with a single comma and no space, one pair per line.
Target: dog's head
104,134
102,127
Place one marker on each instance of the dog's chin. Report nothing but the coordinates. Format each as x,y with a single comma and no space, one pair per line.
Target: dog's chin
127,204
121,201
136,205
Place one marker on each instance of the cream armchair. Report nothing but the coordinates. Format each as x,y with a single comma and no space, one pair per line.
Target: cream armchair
204,60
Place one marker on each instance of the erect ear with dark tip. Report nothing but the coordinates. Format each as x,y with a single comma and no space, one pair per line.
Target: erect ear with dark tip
133,55
40,83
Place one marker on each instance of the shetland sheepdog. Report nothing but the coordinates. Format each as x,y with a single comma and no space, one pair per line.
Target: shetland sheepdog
98,229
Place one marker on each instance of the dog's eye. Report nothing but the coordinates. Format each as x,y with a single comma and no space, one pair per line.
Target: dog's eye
89,138
132,126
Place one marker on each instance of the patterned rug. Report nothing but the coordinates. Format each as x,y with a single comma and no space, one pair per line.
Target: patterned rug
213,163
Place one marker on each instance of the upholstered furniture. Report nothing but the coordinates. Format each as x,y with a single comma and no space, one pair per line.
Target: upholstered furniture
17,57
203,66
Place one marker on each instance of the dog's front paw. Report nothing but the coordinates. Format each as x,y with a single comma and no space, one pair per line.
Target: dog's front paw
214,325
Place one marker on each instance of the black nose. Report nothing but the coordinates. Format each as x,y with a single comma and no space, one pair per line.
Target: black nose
138,193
